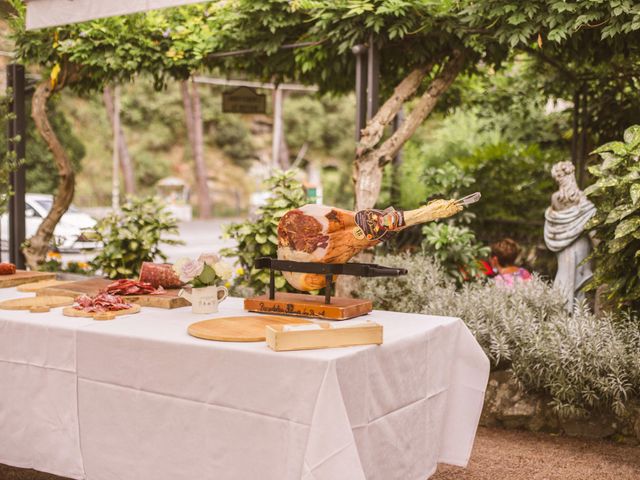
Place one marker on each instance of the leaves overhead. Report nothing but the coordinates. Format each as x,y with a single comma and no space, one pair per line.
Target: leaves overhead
173,43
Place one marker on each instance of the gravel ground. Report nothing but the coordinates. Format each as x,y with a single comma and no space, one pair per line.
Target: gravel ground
515,455
508,455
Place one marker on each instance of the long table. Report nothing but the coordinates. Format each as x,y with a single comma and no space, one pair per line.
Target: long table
138,398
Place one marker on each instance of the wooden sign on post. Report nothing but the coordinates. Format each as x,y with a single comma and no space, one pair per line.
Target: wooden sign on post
243,100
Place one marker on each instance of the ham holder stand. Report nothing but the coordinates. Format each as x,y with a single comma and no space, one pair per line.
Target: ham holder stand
315,244
317,306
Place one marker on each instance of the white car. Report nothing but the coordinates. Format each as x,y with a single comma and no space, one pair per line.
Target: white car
69,233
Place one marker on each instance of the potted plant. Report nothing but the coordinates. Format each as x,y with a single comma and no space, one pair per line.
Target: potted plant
202,275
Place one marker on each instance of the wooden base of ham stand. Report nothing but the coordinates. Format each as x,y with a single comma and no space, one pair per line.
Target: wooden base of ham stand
316,306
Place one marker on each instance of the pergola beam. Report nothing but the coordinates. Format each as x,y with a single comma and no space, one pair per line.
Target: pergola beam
247,83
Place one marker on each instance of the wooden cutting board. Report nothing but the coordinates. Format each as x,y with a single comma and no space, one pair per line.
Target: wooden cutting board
72,312
92,286
36,304
23,276
239,329
35,286
303,305
168,300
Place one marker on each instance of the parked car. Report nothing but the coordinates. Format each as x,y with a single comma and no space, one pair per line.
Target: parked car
69,235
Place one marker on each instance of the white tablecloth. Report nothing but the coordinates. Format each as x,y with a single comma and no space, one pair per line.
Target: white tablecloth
138,398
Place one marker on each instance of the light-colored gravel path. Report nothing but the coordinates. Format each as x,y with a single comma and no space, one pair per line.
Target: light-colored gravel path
508,455
515,455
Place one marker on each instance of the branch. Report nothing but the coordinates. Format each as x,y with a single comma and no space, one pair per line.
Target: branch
551,61
425,105
38,245
374,130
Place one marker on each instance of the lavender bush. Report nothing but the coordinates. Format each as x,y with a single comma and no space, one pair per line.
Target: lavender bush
582,361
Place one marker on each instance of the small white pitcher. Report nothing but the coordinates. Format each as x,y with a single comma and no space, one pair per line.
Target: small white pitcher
205,299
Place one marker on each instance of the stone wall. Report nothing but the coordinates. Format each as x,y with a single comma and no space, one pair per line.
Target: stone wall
507,405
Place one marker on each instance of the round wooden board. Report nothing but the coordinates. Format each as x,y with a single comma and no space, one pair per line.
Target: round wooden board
27,303
239,329
72,312
35,286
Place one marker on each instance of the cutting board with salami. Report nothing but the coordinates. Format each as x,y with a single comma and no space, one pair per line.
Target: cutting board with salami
73,312
22,276
169,299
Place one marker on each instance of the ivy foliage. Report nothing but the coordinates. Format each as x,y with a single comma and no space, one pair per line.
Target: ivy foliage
556,21
616,195
174,43
133,236
259,237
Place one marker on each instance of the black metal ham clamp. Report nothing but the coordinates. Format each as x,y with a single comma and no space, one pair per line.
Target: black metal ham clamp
327,269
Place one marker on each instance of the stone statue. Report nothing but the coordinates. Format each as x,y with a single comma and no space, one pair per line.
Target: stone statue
564,233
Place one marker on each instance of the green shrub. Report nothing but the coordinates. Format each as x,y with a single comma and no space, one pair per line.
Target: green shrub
133,236
516,188
616,194
582,362
455,248
259,238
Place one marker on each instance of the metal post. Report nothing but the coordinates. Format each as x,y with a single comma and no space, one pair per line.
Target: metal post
277,127
327,289
582,166
397,161
115,185
361,88
373,79
574,126
17,127
581,152
272,284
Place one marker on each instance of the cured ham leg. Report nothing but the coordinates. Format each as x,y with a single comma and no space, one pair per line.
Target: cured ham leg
317,233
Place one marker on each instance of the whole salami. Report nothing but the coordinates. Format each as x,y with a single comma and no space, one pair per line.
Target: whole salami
159,275
7,269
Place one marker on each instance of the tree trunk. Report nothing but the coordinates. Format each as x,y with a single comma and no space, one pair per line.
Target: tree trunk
371,158
284,153
193,114
37,246
126,165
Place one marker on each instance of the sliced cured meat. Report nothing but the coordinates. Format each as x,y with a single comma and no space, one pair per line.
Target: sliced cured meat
129,287
103,302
